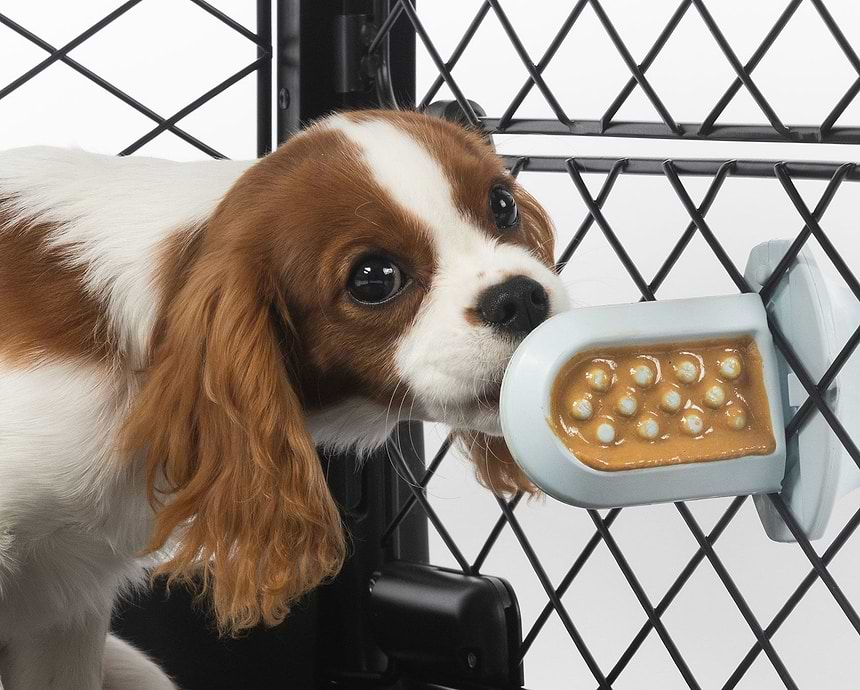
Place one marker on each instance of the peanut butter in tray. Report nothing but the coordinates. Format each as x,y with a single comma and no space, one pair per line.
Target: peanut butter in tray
628,408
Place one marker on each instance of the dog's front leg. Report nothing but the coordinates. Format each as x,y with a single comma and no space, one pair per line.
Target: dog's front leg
60,658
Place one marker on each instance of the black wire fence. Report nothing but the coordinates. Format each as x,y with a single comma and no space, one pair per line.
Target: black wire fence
396,15
260,37
664,125
676,173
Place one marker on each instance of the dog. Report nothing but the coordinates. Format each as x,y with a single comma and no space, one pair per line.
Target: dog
178,338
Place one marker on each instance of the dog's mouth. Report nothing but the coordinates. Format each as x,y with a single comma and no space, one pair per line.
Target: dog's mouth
487,398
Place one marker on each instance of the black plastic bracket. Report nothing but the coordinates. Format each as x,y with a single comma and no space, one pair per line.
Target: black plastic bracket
469,630
453,111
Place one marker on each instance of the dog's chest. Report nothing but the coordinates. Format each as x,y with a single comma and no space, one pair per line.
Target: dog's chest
71,515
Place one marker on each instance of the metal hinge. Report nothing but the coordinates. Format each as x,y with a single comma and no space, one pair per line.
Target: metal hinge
354,66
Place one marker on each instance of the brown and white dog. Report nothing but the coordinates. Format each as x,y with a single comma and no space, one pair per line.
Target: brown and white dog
176,338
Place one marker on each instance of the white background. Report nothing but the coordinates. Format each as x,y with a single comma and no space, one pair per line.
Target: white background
167,52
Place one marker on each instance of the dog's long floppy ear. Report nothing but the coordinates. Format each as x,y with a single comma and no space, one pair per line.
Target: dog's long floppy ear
231,469
495,468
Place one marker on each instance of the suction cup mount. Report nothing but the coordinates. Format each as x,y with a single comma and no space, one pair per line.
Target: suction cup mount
817,316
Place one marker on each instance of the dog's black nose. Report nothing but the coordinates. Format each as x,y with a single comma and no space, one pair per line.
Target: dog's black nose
515,306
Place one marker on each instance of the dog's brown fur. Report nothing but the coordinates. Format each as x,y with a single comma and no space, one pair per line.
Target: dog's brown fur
254,332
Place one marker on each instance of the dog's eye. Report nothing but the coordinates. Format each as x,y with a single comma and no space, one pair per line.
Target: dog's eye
504,208
375,279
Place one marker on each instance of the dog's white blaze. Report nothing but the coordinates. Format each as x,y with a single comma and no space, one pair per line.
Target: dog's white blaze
413,179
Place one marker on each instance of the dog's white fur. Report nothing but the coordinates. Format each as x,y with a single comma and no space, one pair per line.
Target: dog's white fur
445,378
72,517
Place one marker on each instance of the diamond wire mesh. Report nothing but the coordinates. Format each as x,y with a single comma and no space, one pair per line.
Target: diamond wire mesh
666,126
261,38
826,131
673,171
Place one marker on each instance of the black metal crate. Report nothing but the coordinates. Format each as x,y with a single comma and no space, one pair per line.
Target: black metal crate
362,53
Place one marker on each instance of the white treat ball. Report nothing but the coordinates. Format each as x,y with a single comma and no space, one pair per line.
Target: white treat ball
692,423
715,396
643,375
737,418
731,367
626,406
670,401
605,433
582,409
687,371
648,428
599,379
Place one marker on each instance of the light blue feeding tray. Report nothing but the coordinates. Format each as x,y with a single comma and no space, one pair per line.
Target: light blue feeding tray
811,473
528,383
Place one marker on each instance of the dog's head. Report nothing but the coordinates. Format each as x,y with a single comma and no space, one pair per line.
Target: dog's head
379,266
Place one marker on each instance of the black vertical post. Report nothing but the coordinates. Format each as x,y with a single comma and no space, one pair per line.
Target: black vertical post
369,492
305,69
307,62
264,78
